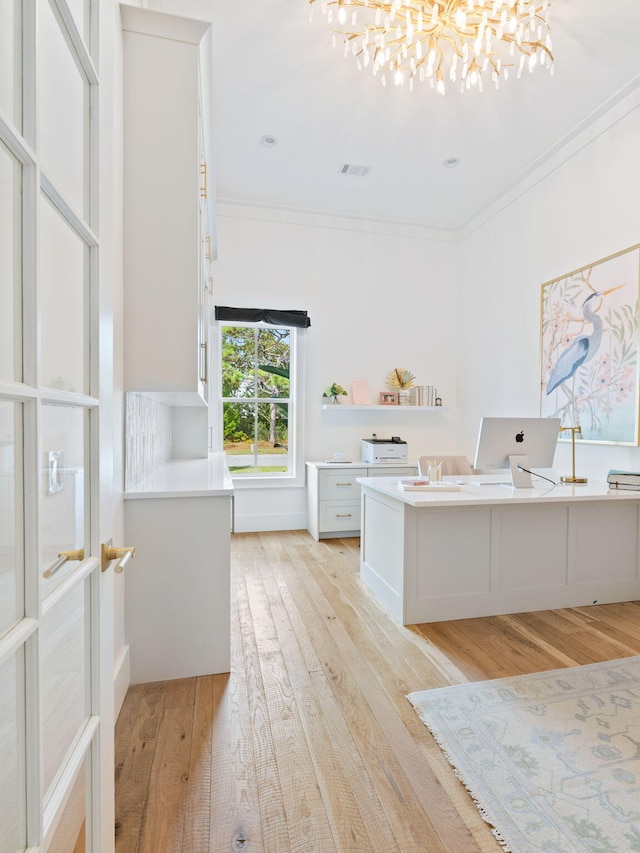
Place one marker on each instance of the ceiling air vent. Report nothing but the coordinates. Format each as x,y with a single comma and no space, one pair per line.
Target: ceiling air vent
352,169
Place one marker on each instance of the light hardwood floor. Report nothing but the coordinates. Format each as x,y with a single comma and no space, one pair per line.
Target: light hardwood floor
310,744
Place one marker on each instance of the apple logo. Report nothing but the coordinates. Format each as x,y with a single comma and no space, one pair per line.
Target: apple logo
519,437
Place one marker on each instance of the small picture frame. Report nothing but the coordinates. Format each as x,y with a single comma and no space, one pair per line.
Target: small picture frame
360,393
388,398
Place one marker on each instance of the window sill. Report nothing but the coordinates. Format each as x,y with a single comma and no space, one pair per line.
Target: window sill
288,481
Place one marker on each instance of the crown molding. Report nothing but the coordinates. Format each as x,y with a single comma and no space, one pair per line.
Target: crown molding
226,208
612,111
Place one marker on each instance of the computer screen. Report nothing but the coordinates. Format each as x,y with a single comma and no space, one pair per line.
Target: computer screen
499,438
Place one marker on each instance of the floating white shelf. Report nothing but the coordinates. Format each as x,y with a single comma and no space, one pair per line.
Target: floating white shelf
391,408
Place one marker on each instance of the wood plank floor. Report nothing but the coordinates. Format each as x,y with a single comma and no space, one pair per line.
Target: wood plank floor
310,744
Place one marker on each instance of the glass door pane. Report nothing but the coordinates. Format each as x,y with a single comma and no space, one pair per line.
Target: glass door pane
11,562
79,11
12,788
10,261
62,262
64,638
63,491
70,834
62,111
10,56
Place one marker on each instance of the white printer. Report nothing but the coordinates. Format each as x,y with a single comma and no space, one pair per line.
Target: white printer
392,449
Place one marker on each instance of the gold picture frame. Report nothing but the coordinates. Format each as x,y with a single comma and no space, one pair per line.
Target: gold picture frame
589,349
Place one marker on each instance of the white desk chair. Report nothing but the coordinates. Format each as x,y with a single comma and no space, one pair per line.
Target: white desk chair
451,465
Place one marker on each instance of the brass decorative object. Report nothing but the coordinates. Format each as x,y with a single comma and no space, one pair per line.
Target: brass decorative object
447,42
400,378
572,479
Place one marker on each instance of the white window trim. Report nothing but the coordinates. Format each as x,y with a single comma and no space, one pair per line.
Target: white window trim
296,477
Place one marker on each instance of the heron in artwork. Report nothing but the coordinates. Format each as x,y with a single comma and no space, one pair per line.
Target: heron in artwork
583,347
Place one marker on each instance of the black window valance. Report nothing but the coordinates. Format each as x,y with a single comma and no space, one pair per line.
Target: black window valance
271,316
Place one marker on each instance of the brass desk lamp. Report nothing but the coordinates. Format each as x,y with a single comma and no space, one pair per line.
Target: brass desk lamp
572,478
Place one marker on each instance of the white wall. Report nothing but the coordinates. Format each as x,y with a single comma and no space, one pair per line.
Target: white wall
378,297
583,206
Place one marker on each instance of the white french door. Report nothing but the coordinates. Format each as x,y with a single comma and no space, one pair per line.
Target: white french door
50,608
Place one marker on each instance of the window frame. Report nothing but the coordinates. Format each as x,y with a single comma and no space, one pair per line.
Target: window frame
295,476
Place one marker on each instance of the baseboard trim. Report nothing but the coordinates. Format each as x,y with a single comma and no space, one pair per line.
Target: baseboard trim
261,523
121,680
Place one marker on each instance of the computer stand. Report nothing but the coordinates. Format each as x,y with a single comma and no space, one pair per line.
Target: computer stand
520,479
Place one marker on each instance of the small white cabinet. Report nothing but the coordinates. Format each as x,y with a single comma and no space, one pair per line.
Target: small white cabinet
333,495
177,590
168,205
177,607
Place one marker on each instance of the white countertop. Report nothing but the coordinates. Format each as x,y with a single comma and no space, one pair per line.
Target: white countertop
473,495
358,463
187,478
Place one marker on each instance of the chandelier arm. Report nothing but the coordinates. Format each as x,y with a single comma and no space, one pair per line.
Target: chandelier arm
476,15
532,45
437,65
349,36
522,47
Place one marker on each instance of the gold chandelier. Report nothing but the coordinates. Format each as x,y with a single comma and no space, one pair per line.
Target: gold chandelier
443,41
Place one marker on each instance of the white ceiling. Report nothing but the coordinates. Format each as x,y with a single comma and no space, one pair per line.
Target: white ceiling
277,73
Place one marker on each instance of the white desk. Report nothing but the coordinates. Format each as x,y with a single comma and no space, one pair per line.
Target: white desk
487,550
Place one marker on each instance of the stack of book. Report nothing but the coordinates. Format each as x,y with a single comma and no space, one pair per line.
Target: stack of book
424,395
629,480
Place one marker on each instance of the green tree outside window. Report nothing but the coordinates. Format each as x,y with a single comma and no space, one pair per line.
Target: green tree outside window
256,388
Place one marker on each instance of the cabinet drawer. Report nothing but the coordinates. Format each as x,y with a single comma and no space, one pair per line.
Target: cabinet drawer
341,485
339,516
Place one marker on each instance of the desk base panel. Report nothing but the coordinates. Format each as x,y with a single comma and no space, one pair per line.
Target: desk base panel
430,564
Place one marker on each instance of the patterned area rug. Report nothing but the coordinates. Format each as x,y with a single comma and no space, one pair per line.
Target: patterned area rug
552,760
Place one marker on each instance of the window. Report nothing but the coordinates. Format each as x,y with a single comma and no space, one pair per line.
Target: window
258,377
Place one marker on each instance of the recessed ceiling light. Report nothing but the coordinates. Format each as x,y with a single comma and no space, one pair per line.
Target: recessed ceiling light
269,141
451,162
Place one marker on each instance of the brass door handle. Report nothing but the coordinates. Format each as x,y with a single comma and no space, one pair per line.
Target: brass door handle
63,557
122,555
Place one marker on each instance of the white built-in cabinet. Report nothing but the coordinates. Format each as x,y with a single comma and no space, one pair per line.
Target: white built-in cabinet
168,205
177,601
333,495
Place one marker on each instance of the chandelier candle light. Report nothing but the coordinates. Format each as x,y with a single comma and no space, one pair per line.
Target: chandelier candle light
456,41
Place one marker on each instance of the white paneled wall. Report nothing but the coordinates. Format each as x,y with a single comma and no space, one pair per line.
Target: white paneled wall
377,300
378,296
582,210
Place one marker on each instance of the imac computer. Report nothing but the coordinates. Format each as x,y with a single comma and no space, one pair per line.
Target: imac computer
516,443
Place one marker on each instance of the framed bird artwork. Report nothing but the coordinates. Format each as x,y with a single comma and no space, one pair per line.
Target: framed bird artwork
589,349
